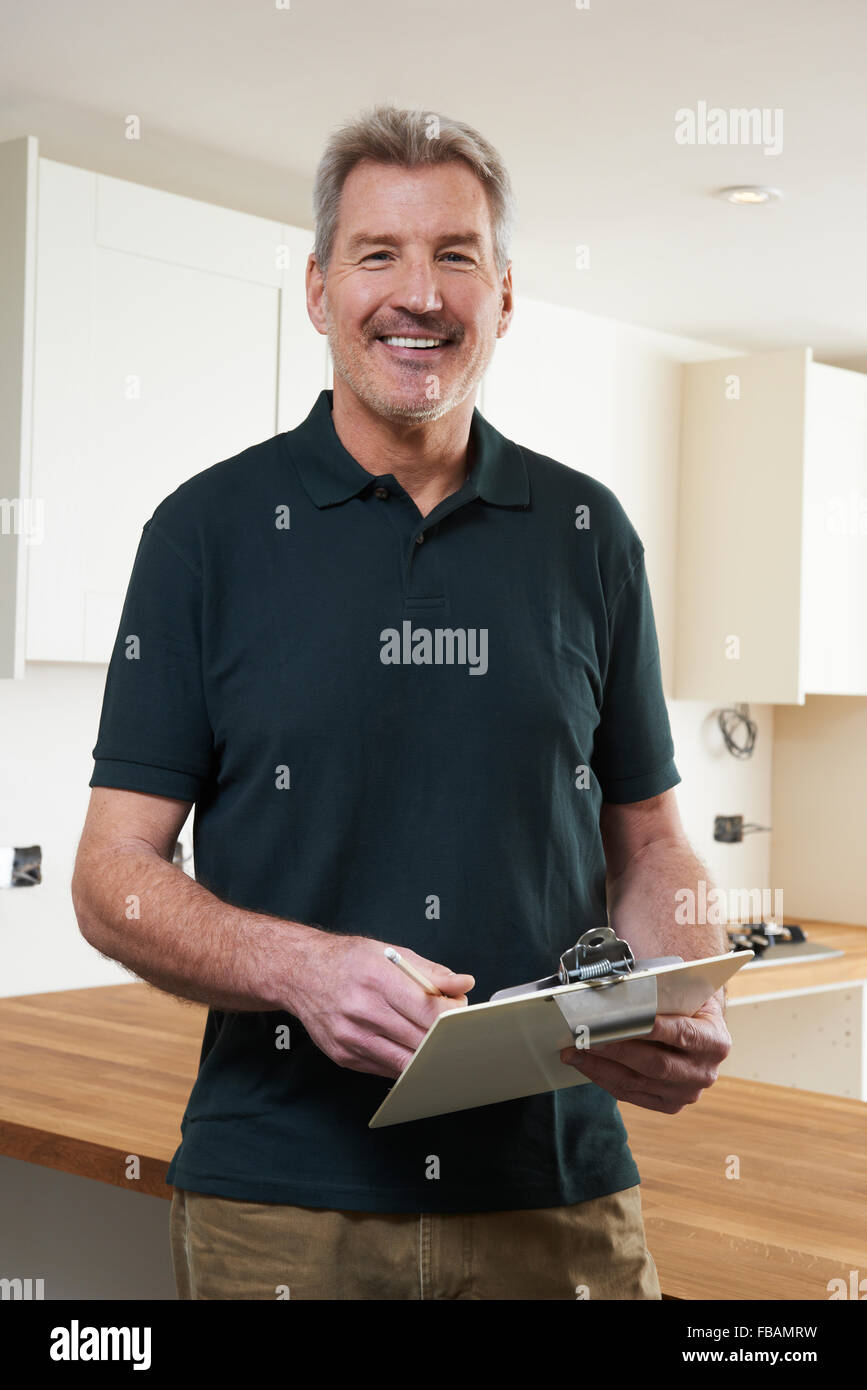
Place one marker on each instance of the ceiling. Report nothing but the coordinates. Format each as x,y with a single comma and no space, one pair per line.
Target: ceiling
235,101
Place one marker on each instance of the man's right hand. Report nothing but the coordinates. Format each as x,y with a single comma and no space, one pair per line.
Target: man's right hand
362,1010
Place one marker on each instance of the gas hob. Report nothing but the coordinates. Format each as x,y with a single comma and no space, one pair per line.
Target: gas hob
776,944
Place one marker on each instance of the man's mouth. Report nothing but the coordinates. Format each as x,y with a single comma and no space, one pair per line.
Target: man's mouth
412,344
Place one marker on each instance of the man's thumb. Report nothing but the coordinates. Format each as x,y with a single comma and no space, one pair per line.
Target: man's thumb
456,982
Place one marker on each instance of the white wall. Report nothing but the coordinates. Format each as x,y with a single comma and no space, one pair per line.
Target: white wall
47,731
614,391
48,727
715,783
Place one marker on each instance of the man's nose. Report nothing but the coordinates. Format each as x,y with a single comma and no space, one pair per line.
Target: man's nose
417,289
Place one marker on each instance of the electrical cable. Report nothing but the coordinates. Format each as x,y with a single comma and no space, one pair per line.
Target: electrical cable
730,720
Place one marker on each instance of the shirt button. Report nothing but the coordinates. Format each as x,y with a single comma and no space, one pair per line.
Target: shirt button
380,492
419,538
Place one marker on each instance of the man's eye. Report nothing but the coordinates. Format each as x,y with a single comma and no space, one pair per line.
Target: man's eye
374,255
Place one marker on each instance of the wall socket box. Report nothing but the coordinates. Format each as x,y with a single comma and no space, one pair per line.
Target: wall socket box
728,829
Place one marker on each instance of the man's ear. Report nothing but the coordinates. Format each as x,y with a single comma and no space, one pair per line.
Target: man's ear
507,302
317,307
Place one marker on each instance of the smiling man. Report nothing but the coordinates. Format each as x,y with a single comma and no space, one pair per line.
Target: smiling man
346,801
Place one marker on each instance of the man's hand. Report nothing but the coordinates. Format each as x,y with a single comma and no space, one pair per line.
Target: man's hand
668,1067
361,1010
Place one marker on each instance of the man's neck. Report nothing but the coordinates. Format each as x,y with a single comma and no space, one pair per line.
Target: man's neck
430,460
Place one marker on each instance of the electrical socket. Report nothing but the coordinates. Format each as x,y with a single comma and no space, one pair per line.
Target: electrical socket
20,867
729,830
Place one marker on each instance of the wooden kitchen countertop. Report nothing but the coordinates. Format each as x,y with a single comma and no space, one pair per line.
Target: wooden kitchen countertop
92,1076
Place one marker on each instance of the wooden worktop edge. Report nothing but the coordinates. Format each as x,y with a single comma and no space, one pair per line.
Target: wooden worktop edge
83,1159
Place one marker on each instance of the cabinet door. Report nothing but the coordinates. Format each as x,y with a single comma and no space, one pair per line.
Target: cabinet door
157,325
20,521
834,630
740,528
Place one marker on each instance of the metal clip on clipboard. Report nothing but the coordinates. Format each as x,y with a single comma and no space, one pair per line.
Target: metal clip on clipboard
620,1004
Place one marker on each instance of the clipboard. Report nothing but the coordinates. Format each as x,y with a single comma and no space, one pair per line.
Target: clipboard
508,1048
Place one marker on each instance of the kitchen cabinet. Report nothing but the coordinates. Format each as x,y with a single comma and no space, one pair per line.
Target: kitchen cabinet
168,334
772,560
834,582
19,522
802,1022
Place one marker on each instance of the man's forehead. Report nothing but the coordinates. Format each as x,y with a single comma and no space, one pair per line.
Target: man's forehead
364,216
370,177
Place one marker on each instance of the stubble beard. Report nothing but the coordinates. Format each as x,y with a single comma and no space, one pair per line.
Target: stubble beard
365,382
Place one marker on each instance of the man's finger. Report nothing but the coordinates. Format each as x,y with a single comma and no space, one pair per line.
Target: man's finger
691,1034
625,1084
655,1060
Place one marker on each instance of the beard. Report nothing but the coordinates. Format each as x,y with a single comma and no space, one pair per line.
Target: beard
419,398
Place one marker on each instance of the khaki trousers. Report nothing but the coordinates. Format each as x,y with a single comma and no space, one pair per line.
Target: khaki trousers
223,1248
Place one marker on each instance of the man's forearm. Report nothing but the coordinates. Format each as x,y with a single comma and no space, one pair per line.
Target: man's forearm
643,901
137,908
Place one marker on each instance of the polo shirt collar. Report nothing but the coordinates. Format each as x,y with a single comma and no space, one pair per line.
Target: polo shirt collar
330,474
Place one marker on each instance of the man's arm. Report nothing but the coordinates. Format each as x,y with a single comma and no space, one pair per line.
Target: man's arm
135,906
649,859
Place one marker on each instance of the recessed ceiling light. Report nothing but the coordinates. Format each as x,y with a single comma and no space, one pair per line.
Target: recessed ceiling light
750,193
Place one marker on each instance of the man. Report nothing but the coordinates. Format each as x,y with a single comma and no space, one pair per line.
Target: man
407,672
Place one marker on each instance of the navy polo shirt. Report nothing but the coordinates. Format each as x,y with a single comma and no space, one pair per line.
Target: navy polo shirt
401,727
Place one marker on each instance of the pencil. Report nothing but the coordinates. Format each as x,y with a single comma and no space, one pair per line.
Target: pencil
410,970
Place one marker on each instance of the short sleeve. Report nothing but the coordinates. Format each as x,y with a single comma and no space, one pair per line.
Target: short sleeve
154,733
633,751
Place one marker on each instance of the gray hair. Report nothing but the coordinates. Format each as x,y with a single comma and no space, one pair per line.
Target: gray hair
408,138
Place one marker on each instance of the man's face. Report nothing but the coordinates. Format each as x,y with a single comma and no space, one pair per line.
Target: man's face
413,258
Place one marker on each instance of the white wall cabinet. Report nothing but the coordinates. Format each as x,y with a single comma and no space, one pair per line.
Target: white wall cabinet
834,578
19,526
169,334
772,546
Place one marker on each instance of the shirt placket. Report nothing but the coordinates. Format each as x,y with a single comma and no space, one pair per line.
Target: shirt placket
421,574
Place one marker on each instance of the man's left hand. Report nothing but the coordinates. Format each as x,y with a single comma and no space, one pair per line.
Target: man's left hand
665,1069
